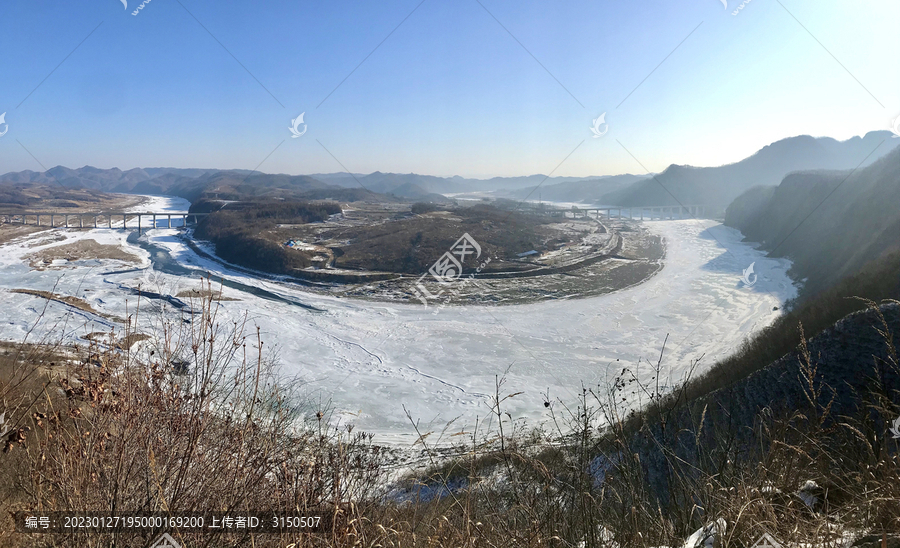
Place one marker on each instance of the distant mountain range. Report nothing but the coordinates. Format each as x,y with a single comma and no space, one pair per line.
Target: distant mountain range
196,184
445,185
712,186
718,186
592,190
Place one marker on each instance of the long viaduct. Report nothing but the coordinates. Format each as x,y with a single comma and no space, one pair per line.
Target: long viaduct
646,213
112,220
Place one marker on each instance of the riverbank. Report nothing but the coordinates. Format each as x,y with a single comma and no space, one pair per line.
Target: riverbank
370,358
629,256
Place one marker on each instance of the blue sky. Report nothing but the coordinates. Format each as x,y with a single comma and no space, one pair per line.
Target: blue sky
450,92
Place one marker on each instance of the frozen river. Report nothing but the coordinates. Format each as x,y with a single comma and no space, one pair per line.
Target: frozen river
370,359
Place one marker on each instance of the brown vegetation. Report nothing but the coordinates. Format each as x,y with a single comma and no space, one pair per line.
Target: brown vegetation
9,233
54,197
240,235
120,430
79,251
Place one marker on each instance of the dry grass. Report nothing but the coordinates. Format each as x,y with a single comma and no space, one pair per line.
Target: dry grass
129,432
8,233
80,251
204,293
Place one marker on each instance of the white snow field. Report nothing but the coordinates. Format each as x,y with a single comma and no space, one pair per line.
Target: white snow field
370,359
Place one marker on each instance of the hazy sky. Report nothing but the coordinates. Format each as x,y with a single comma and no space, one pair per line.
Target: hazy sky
452,91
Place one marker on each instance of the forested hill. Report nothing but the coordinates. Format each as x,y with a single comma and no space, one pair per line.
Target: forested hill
830,223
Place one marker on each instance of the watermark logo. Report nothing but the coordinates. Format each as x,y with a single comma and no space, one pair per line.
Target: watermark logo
740,7
165,541
895,430
767,541
448,269
153,281
724,3
4,124
151,278
748,272
125,3
295,124
139,8
600,121
895,127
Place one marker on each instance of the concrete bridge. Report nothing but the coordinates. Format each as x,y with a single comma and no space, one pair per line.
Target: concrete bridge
112,220
645,213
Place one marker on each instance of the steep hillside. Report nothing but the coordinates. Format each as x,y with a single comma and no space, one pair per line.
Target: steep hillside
718,186
849,359
858,221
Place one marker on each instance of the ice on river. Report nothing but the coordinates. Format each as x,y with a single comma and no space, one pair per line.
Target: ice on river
371,359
